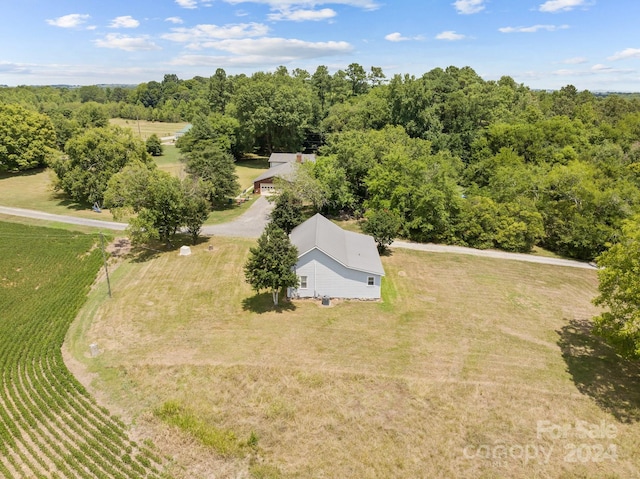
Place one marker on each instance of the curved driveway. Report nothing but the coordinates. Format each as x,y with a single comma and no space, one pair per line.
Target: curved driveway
248,225
251,223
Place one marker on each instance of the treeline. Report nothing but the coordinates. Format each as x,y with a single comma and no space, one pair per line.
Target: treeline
453,157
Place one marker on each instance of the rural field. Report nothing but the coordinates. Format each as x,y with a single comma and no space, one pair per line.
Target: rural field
144,128
469,367
34,189
50,426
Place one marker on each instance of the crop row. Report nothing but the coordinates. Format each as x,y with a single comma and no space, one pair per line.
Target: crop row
49,425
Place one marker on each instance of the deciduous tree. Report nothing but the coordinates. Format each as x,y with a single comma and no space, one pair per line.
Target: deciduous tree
93,157
383,225
27,139
270,264
154,146
620,292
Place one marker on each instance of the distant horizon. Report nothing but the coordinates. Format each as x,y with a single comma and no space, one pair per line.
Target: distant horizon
543,44
134,85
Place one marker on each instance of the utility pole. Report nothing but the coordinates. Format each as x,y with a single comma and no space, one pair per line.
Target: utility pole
104,260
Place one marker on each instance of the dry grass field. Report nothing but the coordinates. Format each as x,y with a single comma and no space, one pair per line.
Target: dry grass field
469,367
145,128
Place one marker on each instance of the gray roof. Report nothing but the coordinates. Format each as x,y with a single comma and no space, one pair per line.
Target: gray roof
284,171
353,250
290,157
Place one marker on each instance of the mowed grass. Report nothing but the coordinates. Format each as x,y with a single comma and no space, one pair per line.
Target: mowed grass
34,189
144,128
449,376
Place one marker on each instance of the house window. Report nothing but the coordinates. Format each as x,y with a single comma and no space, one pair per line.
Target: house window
371,281
303,282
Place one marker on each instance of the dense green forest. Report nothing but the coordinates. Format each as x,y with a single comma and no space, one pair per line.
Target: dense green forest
457,159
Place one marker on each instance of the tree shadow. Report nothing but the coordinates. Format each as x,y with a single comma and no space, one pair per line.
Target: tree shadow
64,200
142,253
257,164
14,174
612,381
147,252
263,303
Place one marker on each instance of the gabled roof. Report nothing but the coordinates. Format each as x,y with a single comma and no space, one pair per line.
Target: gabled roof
353,250
284,171
290,157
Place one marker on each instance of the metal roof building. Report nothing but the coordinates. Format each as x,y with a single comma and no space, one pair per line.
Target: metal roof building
335,263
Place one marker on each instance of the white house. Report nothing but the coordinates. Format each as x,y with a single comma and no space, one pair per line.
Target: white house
335,263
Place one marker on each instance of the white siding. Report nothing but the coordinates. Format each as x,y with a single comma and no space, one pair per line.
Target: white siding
327,277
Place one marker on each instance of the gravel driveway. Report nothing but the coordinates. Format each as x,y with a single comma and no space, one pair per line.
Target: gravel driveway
252,223
249,225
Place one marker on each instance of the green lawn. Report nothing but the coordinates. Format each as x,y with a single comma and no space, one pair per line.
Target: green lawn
34,190
463,355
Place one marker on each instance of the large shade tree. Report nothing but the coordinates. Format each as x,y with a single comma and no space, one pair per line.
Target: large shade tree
274,111
93,157
160,203
27,138
619,290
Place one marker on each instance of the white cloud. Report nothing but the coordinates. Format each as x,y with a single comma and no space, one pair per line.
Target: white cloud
264,51
188,3
533,28
203,33
450,35
283,5
626,53
280,47
14,68
127,43
468,7
72,20
598,69
575,60
124,22
174,20
398,37
303,15
553,6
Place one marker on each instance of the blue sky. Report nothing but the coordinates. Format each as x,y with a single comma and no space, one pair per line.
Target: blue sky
592,44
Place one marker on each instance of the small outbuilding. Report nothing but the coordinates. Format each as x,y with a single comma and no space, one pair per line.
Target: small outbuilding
335,263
